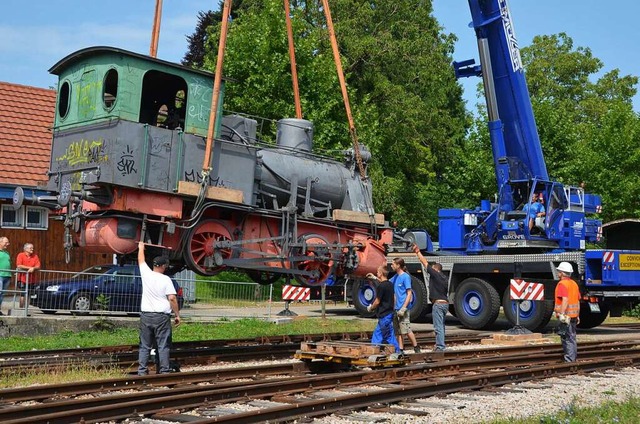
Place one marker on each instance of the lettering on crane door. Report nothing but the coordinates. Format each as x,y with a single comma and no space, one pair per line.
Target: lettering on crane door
629,262
524,290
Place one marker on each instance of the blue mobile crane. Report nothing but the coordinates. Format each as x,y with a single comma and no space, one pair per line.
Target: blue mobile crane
482,249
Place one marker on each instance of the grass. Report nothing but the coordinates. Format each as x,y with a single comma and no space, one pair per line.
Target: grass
187,331
68,375
626,412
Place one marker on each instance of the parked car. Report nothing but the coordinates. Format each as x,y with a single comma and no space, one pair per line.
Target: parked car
101,287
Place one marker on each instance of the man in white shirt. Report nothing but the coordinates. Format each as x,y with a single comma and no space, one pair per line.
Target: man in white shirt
158,300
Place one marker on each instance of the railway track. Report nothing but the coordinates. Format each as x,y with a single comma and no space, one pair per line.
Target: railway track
289,391
189,353
203,352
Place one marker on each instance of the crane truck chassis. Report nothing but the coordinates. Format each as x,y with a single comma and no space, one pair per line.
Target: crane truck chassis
479,286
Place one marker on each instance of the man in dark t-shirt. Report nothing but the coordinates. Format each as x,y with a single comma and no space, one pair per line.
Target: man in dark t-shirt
438,288
383,305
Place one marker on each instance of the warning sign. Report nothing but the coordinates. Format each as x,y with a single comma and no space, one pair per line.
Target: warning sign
629,262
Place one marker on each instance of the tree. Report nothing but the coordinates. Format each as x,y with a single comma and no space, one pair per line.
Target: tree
406,103
198,40
587,125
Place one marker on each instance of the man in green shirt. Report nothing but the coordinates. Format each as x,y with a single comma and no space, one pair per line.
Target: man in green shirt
5,268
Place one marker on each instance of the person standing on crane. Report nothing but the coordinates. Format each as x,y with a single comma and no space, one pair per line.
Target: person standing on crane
567,309
383,305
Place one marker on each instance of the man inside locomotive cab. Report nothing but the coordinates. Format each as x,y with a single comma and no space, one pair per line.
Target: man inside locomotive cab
173,118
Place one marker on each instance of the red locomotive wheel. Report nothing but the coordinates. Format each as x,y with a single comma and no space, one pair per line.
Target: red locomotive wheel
315,258
199,251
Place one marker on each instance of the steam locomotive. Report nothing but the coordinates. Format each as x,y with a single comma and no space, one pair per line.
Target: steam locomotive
129,139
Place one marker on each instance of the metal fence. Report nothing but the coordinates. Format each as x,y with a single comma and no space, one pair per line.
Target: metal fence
117,290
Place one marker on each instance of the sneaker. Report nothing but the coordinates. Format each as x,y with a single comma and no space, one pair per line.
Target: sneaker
416,349
438,349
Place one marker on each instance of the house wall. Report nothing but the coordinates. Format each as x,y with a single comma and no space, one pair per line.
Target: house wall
48,245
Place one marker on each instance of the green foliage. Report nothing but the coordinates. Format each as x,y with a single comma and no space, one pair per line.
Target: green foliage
405,101
232,276
428,152
587,125
632,312
187,331
103,323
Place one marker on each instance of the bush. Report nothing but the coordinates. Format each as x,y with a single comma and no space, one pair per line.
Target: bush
632,312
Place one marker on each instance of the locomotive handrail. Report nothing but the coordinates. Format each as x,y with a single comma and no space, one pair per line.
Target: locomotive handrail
143,166
180,161
74,170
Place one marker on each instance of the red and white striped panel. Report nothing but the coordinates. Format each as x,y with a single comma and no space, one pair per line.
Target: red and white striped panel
608,257
523,290
296,293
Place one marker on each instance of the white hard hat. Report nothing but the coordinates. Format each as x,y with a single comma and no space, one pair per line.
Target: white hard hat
565,267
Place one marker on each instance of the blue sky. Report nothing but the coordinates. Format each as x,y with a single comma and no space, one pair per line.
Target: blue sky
36,34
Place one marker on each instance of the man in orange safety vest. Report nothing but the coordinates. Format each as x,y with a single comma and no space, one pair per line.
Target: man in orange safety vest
567,309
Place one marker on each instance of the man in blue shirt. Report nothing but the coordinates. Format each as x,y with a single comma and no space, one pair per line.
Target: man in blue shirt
403,293
534,209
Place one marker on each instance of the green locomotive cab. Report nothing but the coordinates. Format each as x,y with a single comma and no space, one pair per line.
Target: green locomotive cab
102,83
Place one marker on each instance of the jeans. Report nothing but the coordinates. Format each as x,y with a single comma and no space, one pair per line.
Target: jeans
5,286
439,311
154,327
569,342
384,332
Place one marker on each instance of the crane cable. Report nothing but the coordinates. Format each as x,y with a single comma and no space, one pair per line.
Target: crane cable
352,128
292,58
343,87
155,31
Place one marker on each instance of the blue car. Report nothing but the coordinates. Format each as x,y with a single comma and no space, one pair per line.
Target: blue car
101,287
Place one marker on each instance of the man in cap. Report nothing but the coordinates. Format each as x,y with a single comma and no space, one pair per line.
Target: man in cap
567,309
158,300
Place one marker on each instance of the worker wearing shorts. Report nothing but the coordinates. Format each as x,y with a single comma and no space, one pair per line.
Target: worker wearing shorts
403,294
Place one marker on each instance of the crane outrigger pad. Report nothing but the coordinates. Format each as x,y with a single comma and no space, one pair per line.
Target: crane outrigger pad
351,353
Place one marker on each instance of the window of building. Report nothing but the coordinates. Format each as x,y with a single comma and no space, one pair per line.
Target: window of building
29,217
37,218
12,218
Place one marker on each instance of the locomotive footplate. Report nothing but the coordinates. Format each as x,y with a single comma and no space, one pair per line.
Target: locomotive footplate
361,354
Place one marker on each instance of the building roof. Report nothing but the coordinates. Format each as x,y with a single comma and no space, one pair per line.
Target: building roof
26,118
